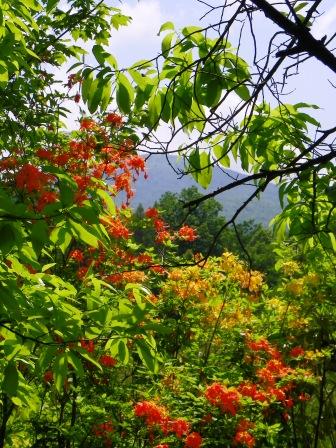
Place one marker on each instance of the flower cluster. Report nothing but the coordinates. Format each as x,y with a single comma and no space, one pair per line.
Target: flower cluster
103,431
243,436
155,415
227,399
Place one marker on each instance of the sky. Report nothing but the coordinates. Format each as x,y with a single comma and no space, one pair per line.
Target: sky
140,40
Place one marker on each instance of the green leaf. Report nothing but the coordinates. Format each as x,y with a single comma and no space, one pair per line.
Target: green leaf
108,201
51,5
147,355
243,93
187,30
11,379
154,110
100,54
89,358
106,95
95,95
118,20
140,79
166,44
123,352
60,370
39,235
199,164
86,85
8,238
166,26
68,187
61,236
82,234
3,75
76,363
213,93
222,155
125,94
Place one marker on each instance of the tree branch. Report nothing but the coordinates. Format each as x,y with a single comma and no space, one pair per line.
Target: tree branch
306,42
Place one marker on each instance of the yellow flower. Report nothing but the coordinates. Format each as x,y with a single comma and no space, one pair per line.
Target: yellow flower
295,287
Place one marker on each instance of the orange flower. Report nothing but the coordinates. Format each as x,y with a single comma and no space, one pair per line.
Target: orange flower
114,119
152,213
244,438
193,440
87,124
180,427
151,412
227,399
31,178
47,197
187,233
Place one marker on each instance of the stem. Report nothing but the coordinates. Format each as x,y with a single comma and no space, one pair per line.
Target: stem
321,404
294,429
6,413
208,350
61,440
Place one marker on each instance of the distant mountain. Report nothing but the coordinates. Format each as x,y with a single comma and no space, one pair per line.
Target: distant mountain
162,178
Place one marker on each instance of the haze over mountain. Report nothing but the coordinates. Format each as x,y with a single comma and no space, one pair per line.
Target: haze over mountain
161,178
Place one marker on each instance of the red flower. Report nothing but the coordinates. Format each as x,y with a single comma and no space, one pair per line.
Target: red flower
47,197
187,233
261,344
296,352
81,273
151,412
8,163
244,425
244,438
77,255
87,124
221,396
278,393
48,377
107,361
144,258
162,236
77,98
160,225
158,269
44,154
180,427
117,229
304,397
152,213
137,163
162,445
102,429
114,119
193,440
62,159
251,390
88,345
31,178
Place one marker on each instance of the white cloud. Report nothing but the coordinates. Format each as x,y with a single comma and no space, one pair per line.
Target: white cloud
138,40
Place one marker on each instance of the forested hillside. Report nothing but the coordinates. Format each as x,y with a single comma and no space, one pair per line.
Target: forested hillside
161,179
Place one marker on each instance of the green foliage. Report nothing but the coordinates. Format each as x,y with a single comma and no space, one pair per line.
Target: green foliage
255,245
